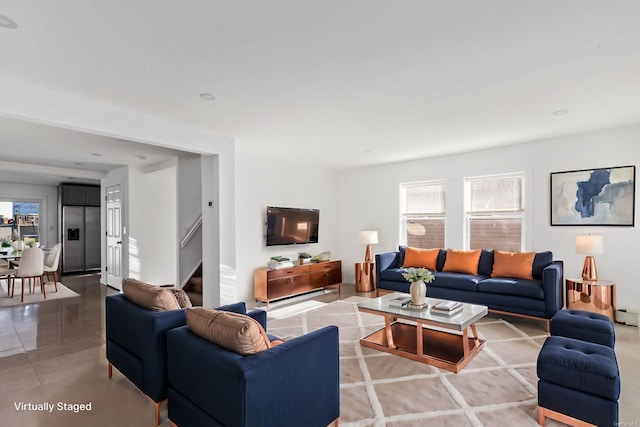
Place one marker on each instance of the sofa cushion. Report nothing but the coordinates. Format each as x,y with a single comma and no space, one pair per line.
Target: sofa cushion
393,274
466,282
585,326
182,298
541,261
510,286
518,265
149,296
579,365
462,261
417,257
233,331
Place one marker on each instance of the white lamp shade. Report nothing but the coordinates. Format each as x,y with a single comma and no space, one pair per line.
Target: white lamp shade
368,237
589,245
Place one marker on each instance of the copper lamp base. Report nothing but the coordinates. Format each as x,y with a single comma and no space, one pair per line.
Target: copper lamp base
368,254
589,271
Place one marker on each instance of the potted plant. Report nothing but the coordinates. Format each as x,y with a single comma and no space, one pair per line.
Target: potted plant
303,258
418,277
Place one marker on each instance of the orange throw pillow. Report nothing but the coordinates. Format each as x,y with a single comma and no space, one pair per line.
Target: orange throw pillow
415,257
518,265
462,261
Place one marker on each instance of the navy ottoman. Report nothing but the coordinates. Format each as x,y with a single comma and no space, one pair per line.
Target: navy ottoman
578,381
584,326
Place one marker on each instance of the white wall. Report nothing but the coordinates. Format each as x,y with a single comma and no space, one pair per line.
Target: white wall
189,210
368,199
72,111
262,182
47,195
153,241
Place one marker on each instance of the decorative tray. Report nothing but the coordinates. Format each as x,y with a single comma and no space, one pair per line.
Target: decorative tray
417,307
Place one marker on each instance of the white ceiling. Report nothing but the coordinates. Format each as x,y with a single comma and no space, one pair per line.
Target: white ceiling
339,84
34,153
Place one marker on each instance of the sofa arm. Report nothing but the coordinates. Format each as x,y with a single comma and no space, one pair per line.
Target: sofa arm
136,342
302,373
260,316
236,307
384,261
552,286
294,383
241,308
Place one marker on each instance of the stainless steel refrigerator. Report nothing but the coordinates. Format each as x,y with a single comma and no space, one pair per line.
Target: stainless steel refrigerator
81,238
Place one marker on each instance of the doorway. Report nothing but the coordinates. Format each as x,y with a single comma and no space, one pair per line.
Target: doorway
114,236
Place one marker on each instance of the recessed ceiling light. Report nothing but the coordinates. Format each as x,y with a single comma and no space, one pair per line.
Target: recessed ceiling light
96,154
207,96
6,22
560,112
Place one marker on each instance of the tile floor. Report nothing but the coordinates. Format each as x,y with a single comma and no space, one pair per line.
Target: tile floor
54,352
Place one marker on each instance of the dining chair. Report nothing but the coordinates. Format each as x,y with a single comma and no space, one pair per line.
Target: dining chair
31,267
5,273
51,264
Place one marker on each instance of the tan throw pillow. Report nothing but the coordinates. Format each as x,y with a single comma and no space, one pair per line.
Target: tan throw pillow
182,298
415,257
236,332
149,296
518,265
462,261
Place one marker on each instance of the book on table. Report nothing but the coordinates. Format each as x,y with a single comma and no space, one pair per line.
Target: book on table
401,301
447,307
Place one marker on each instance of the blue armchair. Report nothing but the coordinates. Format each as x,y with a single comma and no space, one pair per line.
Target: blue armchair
294,383
137,343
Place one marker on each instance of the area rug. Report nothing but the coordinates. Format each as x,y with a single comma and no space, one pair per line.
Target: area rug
7,301
497,388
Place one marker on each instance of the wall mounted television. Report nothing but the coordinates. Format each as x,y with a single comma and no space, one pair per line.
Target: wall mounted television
292,226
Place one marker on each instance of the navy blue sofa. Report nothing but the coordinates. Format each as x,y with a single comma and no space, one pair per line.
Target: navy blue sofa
295,383
137,342
539,298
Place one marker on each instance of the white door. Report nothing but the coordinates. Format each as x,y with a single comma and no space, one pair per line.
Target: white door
114,237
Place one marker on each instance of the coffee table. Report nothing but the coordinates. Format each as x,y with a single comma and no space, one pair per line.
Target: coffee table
436,339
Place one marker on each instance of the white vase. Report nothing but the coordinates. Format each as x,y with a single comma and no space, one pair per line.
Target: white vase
418,291
18,245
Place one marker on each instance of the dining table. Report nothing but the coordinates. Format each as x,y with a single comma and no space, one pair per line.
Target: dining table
9,254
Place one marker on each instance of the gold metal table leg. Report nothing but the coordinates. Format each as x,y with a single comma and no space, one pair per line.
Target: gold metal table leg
476,340
465,342
387,329
419,340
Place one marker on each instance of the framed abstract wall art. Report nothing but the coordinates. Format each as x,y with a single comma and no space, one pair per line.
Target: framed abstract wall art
604,196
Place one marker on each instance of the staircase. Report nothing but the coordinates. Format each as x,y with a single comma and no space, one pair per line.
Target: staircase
193,288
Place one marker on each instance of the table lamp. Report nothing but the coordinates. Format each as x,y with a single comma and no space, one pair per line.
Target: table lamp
368,237
589,245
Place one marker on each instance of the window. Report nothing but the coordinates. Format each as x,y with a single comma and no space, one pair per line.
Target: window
19,221
423,214
494,212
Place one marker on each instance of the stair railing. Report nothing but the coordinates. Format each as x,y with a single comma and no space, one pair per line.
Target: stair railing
191,232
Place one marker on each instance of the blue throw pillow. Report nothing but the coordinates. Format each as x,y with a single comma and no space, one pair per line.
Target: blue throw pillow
400,257
485,265
541,261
